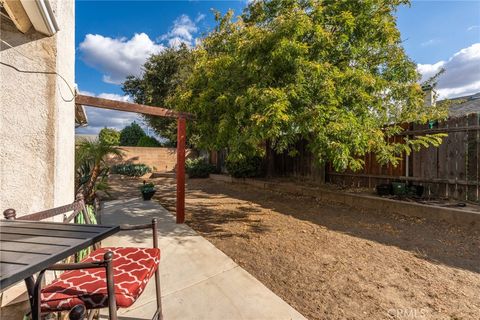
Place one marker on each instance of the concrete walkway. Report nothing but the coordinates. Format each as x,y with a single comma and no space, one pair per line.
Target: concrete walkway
198,281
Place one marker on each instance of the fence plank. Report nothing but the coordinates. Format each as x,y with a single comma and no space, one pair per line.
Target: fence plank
452,159
477,159
421,162
473,144
462,158
443,162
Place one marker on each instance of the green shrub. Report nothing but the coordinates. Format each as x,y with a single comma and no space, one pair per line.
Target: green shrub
131,169
109,136
244,168
198,168
130,135
148,142
147,187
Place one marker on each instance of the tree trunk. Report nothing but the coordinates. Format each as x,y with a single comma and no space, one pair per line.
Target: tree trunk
270,161
89,192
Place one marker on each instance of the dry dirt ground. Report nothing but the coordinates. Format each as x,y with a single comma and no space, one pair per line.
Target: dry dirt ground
332,262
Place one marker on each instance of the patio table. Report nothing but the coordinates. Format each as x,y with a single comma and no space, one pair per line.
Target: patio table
28,247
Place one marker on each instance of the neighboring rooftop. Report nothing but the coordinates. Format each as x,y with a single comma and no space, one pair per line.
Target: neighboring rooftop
85,137
470,105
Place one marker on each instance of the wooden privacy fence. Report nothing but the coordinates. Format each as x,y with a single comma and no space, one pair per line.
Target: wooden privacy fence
303,165
450,171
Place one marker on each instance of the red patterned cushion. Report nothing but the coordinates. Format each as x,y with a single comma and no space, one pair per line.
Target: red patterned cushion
133,267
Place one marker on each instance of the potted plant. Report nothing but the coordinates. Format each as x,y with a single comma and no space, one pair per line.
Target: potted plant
148,190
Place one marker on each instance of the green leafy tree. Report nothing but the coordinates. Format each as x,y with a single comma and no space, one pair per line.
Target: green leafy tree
109,136
333,73
130,135
162,74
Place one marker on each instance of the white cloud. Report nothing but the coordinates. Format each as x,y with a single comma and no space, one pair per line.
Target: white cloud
182,31
85,93
474,27
114,96
111,96
120,57
430,42
200,17
429,70
177,42
117,58
183,27
462,73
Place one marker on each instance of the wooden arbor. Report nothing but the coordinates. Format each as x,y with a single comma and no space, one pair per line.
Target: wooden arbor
154,111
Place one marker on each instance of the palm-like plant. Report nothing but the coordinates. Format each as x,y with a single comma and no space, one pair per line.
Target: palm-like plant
91,169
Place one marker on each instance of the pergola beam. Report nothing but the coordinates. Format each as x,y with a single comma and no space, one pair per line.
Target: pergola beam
128,107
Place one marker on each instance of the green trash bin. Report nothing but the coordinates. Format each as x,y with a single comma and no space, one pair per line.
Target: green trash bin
399,188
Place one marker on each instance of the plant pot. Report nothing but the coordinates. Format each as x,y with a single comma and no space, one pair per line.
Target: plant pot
384,189
148,195
399,188
416,190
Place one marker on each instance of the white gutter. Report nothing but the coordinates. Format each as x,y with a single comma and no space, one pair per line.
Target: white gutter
41,15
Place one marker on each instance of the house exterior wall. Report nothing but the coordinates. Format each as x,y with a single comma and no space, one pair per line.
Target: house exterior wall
37,116
36,124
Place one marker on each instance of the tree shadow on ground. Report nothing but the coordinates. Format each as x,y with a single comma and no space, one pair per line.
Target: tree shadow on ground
437,242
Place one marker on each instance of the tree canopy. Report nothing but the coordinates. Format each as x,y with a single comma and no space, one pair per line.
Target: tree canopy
131,134
333,73
162,74
109,136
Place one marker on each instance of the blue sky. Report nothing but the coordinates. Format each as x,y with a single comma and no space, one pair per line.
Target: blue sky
113,39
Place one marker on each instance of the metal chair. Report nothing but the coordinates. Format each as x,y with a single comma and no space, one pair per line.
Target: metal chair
116,276
109,277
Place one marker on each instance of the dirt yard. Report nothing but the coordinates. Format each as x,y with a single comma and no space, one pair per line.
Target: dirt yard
332,262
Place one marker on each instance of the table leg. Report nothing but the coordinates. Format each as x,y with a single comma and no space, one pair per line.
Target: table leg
30,284
34,288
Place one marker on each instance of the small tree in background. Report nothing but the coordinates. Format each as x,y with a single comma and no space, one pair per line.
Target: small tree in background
109,136
130,135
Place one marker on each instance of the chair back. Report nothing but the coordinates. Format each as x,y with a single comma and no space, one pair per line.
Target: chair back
69,212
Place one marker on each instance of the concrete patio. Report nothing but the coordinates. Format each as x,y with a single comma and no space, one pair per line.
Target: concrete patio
198,281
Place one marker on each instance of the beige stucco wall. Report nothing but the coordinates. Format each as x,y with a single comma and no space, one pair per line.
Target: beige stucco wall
36,123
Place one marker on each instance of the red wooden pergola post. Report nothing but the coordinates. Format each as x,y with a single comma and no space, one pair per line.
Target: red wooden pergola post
181,134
